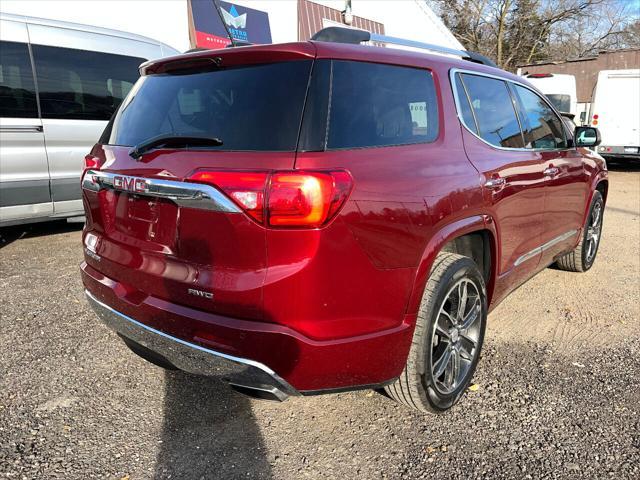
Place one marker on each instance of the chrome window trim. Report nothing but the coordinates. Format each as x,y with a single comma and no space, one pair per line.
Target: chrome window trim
516,108
545,246
184,194
452,81
466,94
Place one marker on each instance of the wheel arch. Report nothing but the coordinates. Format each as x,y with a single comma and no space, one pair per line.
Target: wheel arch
600,184
475,237
603,187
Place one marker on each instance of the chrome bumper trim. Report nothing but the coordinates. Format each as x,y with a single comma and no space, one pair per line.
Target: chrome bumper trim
184,194
194,358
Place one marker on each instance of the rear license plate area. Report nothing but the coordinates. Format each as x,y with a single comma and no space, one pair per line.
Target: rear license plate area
147,219
143,209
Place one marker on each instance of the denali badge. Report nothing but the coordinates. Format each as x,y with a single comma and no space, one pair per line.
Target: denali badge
92,254
200,293
130,184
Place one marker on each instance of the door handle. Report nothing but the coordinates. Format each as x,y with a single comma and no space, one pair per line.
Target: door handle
551,171
495,183
20,128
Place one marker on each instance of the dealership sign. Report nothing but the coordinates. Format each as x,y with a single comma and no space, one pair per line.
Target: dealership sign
206,29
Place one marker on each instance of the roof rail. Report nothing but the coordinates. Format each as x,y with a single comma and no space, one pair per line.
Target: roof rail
357,36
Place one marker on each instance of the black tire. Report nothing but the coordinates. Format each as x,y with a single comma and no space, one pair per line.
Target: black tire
581,258
416,387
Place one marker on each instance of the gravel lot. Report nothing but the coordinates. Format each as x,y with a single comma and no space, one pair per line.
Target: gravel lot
558,386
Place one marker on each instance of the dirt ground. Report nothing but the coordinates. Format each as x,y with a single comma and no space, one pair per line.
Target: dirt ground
558,386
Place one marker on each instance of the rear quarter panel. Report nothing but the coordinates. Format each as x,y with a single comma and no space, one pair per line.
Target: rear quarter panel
403,197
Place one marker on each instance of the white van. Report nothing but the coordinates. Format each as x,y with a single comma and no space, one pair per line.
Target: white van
615,110
59,84
560,89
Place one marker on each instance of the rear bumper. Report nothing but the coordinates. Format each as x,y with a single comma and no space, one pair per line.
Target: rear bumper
617,151
248,353
195,358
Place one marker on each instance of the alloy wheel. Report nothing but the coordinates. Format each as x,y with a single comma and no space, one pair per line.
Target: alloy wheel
455,336
593,231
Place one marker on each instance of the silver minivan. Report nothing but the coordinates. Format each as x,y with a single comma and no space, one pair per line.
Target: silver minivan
59,85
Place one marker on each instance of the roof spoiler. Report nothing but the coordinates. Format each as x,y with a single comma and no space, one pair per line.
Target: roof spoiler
357,36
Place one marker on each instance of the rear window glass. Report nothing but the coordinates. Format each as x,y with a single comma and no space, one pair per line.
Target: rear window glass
255,107
374,105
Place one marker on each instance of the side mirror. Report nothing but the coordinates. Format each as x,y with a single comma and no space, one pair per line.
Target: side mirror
587,137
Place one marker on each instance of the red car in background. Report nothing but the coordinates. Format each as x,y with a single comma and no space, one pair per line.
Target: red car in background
323,216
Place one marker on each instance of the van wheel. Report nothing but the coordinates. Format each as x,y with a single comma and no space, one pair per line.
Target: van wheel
582,257
447,339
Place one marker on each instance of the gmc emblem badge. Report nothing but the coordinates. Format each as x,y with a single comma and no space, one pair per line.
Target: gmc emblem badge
130,184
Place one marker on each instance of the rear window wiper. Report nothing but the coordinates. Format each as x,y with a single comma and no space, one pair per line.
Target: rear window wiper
172,141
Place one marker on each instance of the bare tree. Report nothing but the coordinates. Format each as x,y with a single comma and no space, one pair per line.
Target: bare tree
523,31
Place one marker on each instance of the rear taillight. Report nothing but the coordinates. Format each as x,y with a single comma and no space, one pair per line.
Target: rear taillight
247,189
283,198
91,161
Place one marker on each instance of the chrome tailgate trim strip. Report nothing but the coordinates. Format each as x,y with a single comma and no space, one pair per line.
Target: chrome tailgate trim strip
184,194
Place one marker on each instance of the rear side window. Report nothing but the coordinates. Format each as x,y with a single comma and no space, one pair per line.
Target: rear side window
494,111
465,106
542,127
254,107
80,84
17,92
374,105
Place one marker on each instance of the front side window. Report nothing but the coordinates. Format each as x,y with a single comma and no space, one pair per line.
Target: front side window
80,84
375,105
17,92
494,111
542,127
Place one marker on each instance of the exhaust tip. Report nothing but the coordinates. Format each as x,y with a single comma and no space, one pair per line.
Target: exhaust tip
266,393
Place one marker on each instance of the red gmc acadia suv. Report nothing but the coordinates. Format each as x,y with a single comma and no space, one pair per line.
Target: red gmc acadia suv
324,216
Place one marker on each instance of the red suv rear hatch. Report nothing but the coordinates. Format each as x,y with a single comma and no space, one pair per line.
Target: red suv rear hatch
192,246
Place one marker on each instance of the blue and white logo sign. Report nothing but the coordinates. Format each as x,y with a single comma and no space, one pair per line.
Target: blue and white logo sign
237,23
244,24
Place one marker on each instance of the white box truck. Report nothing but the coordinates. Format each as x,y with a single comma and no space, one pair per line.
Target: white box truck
615,110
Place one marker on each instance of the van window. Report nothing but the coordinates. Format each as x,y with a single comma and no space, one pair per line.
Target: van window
542,127
80,84
17,93
252,107
560,101
494,111
374,105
